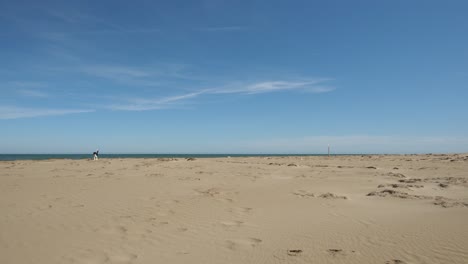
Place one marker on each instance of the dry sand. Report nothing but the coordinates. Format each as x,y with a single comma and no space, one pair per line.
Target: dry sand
345,209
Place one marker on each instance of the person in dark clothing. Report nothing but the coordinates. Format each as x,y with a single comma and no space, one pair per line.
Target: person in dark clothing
96,155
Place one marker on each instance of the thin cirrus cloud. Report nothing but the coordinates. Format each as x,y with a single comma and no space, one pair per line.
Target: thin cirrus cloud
14,112
112,72
275,86
136,76
26,88
141,104
153,104
32,93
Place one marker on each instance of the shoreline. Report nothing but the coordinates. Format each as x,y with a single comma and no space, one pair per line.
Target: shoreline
33,157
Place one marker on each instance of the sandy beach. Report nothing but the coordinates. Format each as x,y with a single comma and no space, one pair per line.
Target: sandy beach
342,209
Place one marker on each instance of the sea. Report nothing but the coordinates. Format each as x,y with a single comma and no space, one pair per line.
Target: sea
11,157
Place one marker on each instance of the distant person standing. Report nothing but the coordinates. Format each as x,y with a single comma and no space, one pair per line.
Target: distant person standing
96,155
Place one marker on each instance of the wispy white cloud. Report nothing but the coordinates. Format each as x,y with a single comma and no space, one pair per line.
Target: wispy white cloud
143,104
140,104
275,86
112,72
78,18
138,76
27,88
135,76
32,93
13,112
26,84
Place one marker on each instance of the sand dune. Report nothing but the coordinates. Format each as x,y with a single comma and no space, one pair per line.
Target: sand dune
343,209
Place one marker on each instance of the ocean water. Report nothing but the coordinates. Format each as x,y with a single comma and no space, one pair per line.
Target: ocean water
10,157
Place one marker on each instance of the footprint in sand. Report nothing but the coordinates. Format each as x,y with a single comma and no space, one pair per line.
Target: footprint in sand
182,229
240,211
209,192
247,243
125,258
112,230
90,256
231,224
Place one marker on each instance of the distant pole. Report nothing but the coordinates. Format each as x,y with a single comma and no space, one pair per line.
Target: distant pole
328,150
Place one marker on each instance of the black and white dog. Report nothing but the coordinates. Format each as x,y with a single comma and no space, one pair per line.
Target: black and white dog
96,155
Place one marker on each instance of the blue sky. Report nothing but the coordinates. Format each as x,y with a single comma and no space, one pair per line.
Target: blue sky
233,76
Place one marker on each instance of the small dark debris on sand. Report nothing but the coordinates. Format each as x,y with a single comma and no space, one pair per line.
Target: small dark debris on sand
371,167
294,252
448,203
397,194
396,175
395,168
332,196
167,159
443,185
404,186
395,261
190,159
410,180
447,180
304,193
335,252
292,165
